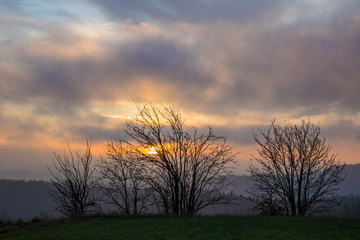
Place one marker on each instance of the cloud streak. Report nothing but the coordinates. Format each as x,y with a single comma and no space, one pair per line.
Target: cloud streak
190,11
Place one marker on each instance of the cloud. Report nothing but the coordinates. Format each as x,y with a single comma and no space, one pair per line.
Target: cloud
232,65
239,136
288,68
342,129
281,69
33,159
67,82
190,11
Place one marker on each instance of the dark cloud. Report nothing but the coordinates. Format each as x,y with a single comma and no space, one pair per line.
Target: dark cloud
64,85
95,128
25,157
342,129
164,61
287,68
238,135
99,133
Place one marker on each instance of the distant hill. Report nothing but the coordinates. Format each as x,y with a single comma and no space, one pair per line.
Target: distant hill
351,184
25,200
29,199
21,174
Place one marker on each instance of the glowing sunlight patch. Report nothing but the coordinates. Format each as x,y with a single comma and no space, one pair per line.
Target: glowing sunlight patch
152,151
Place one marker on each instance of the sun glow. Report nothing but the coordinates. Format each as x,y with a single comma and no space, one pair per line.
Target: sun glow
152,151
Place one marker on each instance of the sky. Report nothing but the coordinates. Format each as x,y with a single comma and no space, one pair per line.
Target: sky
73,69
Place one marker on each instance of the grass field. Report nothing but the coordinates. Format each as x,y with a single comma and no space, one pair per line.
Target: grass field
162,228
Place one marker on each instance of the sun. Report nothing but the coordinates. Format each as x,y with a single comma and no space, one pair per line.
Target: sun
152,151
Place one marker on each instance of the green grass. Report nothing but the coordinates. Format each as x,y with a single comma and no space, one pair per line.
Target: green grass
188,228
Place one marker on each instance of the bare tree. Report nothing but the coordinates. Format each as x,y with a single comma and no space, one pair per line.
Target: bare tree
122,179
185,170
267,203
295,171
73,183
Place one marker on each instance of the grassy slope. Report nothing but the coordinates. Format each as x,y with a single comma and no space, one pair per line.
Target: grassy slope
191,228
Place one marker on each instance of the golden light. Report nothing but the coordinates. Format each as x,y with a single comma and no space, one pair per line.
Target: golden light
158,149
152,151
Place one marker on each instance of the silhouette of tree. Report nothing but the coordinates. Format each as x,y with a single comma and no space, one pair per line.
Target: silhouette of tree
295,171
186,171
122,179
73,183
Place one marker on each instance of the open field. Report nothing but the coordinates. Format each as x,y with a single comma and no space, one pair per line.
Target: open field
157,227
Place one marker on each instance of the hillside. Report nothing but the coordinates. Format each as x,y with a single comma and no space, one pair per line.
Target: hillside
28,199
24,199
351,184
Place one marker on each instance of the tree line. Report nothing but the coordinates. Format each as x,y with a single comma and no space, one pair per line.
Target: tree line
176,169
